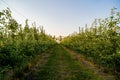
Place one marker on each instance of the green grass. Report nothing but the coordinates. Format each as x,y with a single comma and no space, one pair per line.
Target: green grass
78,70
49,70
62,66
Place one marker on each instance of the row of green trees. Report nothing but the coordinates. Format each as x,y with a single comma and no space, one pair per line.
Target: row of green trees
100,42
20,44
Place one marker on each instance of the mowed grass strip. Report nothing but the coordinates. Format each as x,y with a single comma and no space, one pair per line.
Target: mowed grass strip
62,66
78,71
30,72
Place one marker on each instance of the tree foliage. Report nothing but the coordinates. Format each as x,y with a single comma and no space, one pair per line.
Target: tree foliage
19,44
100,42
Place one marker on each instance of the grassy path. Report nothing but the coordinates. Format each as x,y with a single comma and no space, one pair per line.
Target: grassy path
61,65
86,63
37,65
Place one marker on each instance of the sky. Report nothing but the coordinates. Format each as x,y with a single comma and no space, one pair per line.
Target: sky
60,17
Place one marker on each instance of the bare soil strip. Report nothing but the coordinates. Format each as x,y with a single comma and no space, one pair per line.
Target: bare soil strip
60,64
40,61
86,63
57,67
